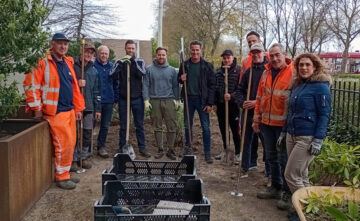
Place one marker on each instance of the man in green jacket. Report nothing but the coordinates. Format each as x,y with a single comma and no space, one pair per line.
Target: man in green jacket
162,88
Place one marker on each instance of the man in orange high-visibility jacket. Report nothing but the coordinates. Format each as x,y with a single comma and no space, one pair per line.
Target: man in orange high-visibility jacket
271,112
52,93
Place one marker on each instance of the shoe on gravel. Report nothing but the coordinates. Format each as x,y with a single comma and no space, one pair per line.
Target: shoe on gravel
74,166
103,153
171,155
186,151
208,158
269,193
159,154
66,184
75,179
244,174
285,202
144,153
220,156
237,159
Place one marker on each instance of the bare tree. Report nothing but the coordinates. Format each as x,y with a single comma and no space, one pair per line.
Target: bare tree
344,21
76,17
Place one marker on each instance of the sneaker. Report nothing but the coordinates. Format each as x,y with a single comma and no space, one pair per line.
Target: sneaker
285,202
86,164
74,166
270,193
208,158
171,155
159,154
244,174
102,152
144,153
253,168
268,181
220,156
75,179
237,159
66,184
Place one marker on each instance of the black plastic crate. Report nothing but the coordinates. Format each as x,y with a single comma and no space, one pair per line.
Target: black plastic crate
142,198
126,169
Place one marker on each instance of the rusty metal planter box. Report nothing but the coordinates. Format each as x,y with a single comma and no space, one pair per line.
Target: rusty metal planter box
26,169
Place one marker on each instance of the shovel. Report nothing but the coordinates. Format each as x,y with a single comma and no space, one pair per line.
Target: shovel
227,151
127,148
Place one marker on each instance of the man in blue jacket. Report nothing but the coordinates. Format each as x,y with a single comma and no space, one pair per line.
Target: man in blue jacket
104,66
201,84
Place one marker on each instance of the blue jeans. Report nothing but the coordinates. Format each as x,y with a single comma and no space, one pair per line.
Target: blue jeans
106,114
195,104
276,160
137,107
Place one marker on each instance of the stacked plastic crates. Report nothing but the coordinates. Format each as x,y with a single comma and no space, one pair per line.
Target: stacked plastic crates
152,190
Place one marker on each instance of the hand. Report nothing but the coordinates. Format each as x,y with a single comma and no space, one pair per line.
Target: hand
177,104
38,115
207,109
82,83
255,127
147,105
214,107
249,104
126,59
227,97
78,115
183,77
97,115
280,141
315,146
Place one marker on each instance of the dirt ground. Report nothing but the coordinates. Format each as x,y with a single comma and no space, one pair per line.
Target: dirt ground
57,204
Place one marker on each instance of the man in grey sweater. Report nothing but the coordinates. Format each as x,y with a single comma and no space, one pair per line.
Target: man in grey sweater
162,88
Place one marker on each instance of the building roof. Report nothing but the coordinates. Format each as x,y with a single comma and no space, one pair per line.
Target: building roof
339,55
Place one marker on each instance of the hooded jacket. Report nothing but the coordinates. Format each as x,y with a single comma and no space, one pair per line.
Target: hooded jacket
309,107
160,81
233,82
92,87
106,83
207,82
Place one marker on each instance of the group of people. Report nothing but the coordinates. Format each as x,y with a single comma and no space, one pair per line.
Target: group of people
288,105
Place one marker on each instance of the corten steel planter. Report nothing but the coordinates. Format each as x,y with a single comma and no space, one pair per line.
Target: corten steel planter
26,168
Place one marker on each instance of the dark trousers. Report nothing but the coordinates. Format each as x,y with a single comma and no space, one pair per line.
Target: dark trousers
137,107
233,122
277,160
106,114
249,157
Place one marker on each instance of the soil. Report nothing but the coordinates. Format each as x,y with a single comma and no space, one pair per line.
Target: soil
219,180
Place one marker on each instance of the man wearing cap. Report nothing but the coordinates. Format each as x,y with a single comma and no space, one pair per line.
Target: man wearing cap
201,84
249,157
91,93
52,93
230,61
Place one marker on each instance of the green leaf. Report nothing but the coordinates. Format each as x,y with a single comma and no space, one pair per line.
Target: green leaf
346,173
353,210
335,213
347,182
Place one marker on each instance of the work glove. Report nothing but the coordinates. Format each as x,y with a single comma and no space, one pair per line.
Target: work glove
147,105
126,59
177,104
315,146
281,141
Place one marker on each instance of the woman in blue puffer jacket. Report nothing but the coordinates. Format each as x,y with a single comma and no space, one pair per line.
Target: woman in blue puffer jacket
308,117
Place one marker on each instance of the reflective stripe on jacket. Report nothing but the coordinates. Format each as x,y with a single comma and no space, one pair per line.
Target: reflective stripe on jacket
42,87
273,95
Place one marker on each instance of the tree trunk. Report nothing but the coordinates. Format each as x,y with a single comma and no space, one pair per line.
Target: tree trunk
345,57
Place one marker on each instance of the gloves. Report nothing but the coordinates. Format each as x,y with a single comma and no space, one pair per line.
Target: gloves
177,104
147,105
281,141
126,59
315,146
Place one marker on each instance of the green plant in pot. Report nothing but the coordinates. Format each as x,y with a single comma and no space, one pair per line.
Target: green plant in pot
22,43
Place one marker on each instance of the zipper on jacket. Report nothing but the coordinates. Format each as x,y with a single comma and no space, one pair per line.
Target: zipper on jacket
272,89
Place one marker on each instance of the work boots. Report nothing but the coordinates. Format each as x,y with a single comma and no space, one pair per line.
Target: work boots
74,166
270,193
143,152
103,153
208,158
159,154
285,202
171,155
66,184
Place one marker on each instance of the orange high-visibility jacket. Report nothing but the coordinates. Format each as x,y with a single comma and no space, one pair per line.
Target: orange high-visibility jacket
246,63
272,98
42,87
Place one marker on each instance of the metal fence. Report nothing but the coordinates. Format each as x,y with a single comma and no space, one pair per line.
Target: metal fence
346,102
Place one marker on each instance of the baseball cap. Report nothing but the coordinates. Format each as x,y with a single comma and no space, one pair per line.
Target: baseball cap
89,45
257,46
228,52
59,36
